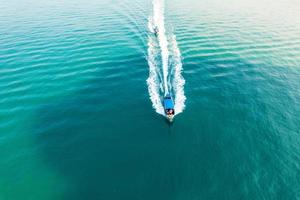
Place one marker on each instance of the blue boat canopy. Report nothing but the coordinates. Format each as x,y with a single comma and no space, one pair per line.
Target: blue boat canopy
168,103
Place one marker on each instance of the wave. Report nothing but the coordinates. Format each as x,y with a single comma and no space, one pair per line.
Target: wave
164,60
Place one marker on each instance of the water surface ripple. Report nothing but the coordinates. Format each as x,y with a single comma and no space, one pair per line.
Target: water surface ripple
76,121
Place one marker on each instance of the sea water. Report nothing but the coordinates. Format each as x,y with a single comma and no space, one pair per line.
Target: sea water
81,84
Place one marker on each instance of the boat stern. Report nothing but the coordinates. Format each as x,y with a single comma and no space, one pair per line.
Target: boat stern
170,118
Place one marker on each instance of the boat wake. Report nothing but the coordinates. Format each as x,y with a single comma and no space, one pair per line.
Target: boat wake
164,60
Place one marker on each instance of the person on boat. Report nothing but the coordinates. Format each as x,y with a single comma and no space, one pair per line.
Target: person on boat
170,111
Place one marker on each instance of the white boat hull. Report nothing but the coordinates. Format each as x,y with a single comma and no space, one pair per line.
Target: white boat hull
170,118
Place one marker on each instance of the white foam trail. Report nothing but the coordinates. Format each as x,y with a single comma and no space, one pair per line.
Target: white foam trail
154,79
159,23
178,80
160,81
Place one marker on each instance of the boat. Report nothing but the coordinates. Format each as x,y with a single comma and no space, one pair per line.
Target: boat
169,107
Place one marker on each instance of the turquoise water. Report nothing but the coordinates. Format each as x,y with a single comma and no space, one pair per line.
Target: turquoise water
80,110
